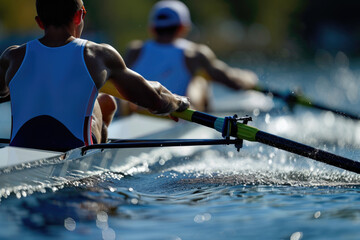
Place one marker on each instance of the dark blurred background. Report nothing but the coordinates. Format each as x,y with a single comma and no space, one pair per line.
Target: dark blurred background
245,31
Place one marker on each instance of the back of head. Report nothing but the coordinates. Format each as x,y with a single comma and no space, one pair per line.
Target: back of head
57,12
168,14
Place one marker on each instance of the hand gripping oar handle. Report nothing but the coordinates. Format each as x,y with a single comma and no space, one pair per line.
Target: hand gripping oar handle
249,133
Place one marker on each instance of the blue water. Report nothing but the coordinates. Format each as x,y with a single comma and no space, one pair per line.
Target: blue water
218,193
176,209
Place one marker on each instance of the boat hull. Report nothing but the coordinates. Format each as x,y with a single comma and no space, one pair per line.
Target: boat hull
23,173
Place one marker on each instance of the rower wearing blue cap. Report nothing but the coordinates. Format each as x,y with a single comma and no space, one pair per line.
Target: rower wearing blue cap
180,65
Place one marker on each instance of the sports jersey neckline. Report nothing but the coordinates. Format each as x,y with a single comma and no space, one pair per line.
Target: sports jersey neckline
63,46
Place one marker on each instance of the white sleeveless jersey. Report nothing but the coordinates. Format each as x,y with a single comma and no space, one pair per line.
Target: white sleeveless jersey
52,98
165,63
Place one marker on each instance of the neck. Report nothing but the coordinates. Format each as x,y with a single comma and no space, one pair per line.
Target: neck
57,36
165,39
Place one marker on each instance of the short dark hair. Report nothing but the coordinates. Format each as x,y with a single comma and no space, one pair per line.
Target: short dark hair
57,12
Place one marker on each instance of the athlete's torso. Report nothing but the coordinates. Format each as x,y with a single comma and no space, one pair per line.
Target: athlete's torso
52,98
165,63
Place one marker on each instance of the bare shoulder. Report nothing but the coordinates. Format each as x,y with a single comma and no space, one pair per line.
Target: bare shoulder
103,54
10,62
133,52
135,45
100,50
12,58
134,48
205,51
198,51
101,58
198,56
14,52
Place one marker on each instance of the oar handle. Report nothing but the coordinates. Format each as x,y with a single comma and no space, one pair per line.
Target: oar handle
243,131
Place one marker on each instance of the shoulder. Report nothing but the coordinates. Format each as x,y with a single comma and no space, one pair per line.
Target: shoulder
197,51
133,51
99,49
198,56
204,51
14,52
101,52
134,48
102,60
102,56
135,45
13,56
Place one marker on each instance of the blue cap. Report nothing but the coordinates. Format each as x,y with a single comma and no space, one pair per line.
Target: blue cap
168,13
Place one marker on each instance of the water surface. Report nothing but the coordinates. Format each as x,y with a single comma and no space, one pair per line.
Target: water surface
216,192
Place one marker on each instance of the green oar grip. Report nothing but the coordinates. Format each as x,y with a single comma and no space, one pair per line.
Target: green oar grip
246,132
186,115
243,131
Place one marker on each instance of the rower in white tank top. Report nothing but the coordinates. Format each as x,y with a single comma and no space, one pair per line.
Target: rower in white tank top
183,66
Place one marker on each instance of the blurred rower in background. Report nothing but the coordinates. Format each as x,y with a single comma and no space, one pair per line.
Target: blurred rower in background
182,66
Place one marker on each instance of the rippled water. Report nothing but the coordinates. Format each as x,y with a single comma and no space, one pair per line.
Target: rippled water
217,193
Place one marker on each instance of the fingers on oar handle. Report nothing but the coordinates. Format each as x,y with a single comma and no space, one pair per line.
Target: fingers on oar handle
307,151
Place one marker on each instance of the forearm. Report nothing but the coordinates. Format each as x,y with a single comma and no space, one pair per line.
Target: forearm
233,77
165,101
134,88
219,71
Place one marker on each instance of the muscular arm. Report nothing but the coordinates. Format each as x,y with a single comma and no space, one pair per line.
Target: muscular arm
135,88
235,78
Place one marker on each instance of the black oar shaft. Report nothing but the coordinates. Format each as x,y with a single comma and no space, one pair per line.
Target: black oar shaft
294,98
341,113
307,151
